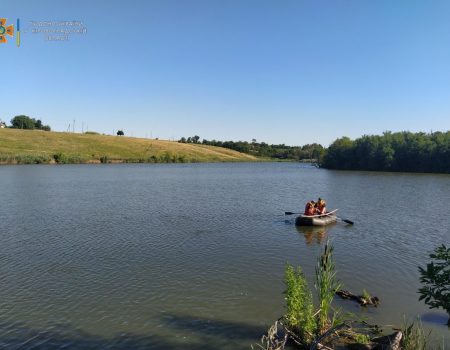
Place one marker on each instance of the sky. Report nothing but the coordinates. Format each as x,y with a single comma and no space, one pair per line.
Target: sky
280,71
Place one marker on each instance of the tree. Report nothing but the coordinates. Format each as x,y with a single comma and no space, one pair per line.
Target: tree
182,140
401,151
120,133
436,280
23,122
340,154
195,139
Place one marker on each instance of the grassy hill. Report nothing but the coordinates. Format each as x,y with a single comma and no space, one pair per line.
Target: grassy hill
35,146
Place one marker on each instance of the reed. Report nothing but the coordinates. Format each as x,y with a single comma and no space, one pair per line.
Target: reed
326,286
414,336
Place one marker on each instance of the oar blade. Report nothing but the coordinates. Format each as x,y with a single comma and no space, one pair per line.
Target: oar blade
348,221
288,213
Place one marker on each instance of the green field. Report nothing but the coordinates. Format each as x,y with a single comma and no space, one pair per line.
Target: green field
36,146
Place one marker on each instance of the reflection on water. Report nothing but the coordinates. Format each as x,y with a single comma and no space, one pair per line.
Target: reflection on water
317,234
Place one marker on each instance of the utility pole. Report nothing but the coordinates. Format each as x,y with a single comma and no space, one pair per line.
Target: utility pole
73,126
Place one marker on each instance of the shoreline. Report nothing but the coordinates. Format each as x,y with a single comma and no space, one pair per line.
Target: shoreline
47,160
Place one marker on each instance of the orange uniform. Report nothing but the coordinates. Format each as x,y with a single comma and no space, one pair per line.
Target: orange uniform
309,208
321,207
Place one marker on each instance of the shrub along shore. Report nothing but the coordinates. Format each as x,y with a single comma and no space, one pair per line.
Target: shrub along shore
43,147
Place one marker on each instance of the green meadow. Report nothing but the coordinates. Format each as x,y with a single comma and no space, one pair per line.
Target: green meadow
36,146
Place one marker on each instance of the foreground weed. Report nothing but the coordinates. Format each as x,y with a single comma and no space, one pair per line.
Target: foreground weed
414,336
326,285
299,304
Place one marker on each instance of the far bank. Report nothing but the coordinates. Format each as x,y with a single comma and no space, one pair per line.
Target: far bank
44,147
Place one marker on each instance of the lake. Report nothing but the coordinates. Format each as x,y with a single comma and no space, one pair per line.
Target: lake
138,256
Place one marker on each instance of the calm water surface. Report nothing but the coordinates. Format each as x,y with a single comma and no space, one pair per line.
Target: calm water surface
171,256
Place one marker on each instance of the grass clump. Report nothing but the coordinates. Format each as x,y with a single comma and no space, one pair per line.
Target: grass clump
366,295
414,336
64,158
272,341
361,338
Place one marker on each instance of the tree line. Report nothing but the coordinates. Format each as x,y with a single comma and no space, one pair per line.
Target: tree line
400,151
261,149
25,122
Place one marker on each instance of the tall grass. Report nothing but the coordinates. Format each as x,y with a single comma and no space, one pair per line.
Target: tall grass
25,159
414,336
326,286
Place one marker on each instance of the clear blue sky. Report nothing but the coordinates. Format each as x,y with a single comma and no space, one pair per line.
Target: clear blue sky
280,71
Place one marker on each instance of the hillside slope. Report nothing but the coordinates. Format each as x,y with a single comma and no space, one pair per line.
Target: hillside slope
35,146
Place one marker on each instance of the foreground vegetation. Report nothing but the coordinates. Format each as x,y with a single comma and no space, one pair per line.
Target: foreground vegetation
36,146
306,326
436,280
401,151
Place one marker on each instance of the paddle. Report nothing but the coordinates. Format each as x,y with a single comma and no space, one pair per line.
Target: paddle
344,220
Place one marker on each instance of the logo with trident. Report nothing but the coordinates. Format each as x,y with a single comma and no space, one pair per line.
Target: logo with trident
5,30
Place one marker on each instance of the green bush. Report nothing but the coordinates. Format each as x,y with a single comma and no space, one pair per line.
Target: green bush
299,305
436,280
63,158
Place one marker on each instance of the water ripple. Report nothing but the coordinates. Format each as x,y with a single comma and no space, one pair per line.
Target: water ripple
170,256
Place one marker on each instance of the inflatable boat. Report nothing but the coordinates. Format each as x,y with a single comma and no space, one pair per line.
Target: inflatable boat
316,220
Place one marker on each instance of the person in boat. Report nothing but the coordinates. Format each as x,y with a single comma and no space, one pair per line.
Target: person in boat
310,208
321,207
